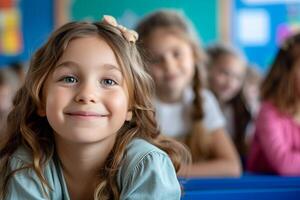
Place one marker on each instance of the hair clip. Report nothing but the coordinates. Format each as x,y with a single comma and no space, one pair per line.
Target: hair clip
129,35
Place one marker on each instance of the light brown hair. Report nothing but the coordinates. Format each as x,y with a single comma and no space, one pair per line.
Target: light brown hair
26,128
279,85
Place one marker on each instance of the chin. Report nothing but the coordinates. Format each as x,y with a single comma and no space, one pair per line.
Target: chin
86,138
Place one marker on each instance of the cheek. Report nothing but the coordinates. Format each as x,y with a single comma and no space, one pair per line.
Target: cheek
236,85
219,80
117,103
188,62
56,99
156,72
190,69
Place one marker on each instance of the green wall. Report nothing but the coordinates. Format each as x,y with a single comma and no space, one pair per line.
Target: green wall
128,12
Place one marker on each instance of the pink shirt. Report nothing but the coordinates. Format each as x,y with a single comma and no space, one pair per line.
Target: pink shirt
276,143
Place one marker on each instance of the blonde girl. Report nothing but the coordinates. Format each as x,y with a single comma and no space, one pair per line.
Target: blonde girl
83,126
185,110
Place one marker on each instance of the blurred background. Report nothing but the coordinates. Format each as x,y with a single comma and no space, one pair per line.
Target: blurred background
256,27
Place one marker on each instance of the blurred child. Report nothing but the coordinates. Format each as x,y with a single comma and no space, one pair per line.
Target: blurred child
226,75
251,92
83,125
185,110
19,69
9,83
251,88
276,144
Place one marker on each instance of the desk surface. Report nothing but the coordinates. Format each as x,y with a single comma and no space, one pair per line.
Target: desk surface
244,182
251,194
257,187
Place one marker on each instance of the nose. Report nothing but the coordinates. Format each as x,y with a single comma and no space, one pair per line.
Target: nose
227,81
169,63
88,92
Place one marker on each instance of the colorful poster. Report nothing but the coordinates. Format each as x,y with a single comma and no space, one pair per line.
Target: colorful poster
11,42
6,4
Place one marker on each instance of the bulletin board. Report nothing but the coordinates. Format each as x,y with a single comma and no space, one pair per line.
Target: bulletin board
128,12
259,26
24,26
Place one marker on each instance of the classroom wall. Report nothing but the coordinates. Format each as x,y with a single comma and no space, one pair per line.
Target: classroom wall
214,20
259,27
128,12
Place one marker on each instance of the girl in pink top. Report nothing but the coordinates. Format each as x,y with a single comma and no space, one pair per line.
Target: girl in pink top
276,143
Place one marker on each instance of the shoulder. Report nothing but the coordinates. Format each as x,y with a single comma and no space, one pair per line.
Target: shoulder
139,148
208,97
210,103
19,159
207,93
22,154
270,111
138,152
26,183
268,106
271,120
146,172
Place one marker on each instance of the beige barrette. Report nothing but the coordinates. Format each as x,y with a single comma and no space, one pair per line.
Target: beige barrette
129,35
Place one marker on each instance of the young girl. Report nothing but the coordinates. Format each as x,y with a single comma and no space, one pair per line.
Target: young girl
251,88
226,75
83,125
9,85
185,110
276,143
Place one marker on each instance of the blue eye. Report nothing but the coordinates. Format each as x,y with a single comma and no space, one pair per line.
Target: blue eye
69,79
108,82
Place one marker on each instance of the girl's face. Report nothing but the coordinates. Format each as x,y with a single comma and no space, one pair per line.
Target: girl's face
226,77
172,64
85,98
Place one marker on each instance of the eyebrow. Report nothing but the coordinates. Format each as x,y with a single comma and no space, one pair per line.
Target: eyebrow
71,64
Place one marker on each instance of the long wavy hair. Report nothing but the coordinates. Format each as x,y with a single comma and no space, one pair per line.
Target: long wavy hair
26,128
279,85
178,24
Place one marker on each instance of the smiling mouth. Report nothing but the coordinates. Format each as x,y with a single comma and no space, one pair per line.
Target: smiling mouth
171,77
84,114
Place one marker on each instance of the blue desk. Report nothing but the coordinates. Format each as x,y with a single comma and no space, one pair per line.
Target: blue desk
248,187
251,194
245,182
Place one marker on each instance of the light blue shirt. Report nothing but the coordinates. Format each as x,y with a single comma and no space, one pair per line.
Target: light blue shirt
147,173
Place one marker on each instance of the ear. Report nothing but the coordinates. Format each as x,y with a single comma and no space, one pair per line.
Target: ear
128,115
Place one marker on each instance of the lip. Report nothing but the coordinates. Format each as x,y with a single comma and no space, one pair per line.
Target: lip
171,77
85,114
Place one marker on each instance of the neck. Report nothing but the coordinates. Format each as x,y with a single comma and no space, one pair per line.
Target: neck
82,163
